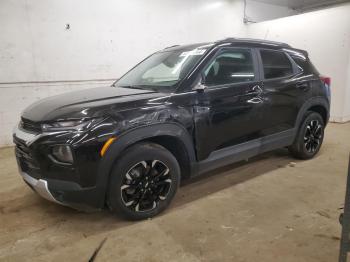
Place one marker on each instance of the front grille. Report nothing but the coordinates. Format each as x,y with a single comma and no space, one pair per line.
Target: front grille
25,159
30,126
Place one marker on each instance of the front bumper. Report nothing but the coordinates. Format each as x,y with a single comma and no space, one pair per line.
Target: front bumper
64,185
39,186
64,193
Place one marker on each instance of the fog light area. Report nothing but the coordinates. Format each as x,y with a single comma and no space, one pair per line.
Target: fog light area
63,153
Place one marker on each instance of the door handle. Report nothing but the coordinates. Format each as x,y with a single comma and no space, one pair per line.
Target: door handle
255,90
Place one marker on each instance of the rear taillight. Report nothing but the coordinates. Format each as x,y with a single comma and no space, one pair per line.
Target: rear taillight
326,80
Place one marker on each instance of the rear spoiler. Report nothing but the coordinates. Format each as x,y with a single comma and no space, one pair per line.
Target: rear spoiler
305,53
294,51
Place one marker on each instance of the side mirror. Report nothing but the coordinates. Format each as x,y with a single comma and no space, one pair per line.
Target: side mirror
200,86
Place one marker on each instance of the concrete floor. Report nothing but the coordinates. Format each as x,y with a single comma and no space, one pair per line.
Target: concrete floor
272,208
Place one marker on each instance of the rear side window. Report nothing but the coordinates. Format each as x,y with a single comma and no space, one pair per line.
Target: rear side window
276,64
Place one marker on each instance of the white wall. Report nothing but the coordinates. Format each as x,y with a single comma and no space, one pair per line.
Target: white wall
325,34
105,39
259,11
346,110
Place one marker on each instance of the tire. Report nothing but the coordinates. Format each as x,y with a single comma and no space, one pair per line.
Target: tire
143,181
309,137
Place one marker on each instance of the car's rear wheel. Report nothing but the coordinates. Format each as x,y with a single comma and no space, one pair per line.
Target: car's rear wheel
309,137
143,181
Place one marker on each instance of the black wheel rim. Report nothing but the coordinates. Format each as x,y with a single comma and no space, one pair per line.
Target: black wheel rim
145,185
313,136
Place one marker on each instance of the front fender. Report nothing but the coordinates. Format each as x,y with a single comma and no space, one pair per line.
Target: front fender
133,136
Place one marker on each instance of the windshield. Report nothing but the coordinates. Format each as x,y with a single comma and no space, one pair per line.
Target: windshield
162,70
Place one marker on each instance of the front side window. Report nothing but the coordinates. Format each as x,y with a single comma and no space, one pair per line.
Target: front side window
162,70
276,64
231,66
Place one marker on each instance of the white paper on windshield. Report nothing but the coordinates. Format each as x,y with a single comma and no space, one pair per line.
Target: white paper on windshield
193,52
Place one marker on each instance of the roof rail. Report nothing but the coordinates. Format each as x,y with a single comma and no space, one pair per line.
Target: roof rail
171,46
228,39
250,40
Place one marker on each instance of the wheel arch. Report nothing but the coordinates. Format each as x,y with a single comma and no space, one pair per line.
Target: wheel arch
172,136
315,104
177,148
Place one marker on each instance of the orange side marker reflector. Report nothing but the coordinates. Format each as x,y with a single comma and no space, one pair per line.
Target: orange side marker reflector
106,145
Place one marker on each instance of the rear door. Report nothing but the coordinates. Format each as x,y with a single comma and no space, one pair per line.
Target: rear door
285,88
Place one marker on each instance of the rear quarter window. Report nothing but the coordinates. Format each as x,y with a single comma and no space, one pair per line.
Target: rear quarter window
276,64
305,65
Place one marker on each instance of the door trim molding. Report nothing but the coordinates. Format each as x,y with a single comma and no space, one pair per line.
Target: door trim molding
244,151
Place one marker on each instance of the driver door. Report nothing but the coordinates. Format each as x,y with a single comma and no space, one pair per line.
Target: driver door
229,111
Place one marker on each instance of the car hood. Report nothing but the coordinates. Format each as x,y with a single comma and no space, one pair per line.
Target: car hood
94,102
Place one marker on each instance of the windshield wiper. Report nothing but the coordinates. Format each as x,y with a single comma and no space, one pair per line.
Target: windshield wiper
133,87
142,87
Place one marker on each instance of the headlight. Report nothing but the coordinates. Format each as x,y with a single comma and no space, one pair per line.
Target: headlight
77,125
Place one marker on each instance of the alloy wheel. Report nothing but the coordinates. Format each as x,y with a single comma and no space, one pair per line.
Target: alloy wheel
145,185
313,136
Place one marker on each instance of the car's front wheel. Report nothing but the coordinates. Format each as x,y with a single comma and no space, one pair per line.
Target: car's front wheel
143,181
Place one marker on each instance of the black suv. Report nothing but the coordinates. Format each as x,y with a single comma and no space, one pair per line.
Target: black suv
180,112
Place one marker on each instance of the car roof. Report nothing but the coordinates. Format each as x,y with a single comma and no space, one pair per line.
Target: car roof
239,41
